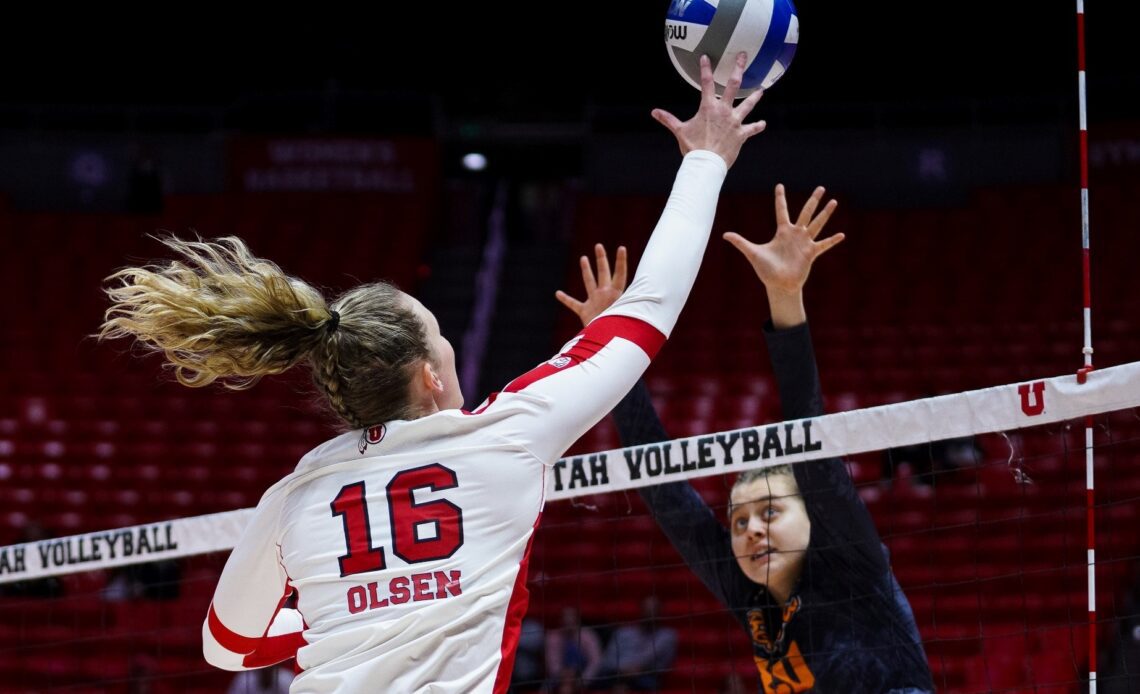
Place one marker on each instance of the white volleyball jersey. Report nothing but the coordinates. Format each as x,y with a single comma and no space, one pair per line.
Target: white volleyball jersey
407,543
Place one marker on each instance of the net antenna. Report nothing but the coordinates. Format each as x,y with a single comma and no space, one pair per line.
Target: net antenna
1082,373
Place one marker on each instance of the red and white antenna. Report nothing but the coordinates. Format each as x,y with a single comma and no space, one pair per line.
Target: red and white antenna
1082,374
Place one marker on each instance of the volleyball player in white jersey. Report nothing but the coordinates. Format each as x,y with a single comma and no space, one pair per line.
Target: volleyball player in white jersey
406,538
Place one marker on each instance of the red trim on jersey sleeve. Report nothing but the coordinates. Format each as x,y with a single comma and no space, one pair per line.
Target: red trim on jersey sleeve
263,651
229,640
637,331
274,649
516,610
592,340
490,401
297,669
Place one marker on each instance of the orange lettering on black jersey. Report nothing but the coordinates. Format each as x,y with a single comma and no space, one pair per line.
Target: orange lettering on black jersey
757,624
791,609
786,675
759,629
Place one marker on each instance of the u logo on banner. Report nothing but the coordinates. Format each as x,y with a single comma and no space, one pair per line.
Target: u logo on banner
1035,405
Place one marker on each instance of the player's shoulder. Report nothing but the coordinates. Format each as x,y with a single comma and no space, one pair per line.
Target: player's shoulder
399,440
502,405
443,429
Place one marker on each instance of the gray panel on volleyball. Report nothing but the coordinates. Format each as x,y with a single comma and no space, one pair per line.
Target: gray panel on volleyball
714,41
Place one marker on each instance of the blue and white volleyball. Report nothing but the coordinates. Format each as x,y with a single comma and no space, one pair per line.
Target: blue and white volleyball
766,30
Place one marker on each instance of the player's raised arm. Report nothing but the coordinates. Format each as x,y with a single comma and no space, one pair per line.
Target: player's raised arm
591,373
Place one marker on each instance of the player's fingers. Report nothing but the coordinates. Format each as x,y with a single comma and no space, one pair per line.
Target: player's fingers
810,207
827,244
708,85
735,78
739,242
745,107
756,128
603,264
568,301
820,221
621,268
667,119
587,275
782,216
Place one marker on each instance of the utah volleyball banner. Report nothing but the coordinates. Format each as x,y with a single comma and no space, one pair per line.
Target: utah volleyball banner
1000,408
136,544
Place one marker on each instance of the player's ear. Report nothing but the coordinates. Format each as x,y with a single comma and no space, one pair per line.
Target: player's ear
429,378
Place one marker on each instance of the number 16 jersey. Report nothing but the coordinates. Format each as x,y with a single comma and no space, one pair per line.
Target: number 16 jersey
407,543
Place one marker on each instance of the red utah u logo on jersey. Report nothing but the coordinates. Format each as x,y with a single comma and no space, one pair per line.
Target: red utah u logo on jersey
371,435
1035,405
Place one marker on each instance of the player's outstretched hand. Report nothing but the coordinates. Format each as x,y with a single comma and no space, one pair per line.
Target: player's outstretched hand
718,126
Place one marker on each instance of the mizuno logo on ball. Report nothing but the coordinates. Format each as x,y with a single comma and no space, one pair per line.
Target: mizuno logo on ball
676,32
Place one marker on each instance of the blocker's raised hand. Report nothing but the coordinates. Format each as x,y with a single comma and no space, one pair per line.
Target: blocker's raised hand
602,292
783,264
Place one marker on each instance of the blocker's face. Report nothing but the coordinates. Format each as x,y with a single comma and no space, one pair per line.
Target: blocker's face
770,531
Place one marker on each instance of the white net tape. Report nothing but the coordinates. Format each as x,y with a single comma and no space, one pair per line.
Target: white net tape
1000,408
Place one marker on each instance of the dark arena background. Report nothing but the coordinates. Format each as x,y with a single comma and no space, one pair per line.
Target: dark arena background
339,143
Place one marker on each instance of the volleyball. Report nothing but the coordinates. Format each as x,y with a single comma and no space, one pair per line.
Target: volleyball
766,30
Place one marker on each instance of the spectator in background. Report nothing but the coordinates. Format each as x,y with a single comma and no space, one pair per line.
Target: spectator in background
267,680
639,654
928,462
573,654
50,587
527,673
156,580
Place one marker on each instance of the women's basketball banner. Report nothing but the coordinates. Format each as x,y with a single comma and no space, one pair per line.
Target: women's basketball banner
323,165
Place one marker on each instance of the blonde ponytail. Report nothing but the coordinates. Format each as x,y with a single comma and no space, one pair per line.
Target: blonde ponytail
217,314
221,314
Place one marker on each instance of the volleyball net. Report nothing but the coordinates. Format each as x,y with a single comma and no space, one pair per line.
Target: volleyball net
1014,570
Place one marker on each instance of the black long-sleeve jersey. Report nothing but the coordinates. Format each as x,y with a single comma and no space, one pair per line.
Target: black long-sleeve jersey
847,626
